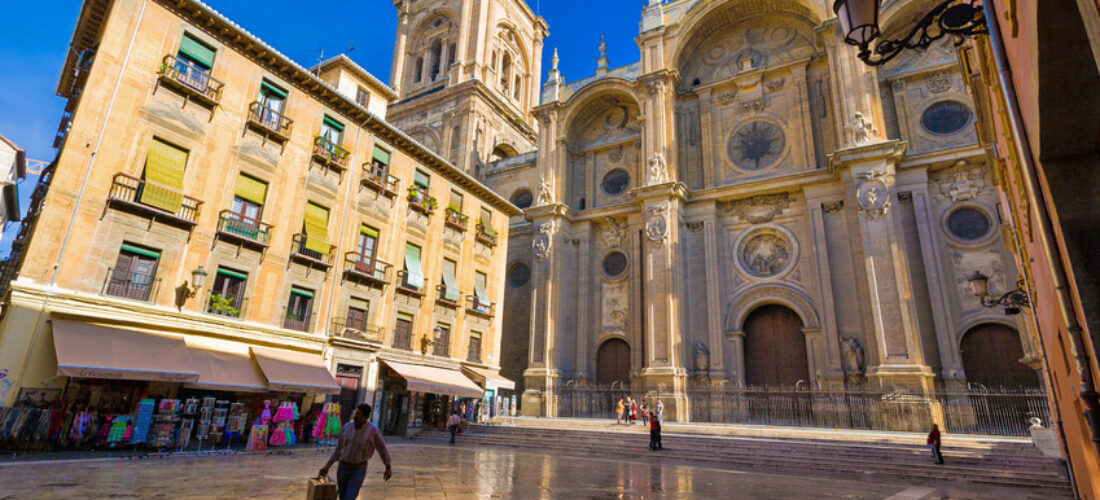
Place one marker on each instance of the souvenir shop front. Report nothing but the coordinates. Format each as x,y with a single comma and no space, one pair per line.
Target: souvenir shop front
492,404
129,389
415,397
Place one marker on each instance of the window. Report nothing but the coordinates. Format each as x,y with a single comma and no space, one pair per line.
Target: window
945,117
248,201
523,198
315,227
332,131
421,180
357,314
516,88
451,293
195,52
402,332
436,56
368,242
519,275
299,309
419,70
614,264
442,340
486,218
481,296
615,182
456,201
474,353
134,272
452,52
227,295
968,223
414,277
505,69
380,163
164,167
272,100
362,97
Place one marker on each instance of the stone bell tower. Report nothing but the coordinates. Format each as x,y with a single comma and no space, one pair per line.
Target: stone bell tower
467,76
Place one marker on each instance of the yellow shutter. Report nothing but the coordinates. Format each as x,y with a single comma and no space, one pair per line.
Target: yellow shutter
164,167
250,189
317,228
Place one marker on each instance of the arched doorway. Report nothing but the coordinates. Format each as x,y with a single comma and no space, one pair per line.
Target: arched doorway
774,348
991,357
613,362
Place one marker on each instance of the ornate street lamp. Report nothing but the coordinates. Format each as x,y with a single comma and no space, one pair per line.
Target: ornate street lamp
185,292
859,20
1012,300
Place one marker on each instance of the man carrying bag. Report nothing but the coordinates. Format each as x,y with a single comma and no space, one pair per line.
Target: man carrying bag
358,440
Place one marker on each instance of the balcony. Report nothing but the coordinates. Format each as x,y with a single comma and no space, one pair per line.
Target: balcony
244,230
193,82
406,288
330,154
456,220
485,235
355,329
268,122
127,193
366,269
229,307
479,308
300,323
441,297
311,258
421,201
133,289
380,181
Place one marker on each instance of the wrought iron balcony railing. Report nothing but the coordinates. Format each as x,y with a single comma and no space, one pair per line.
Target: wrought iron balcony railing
269,121
330,154
130,192
244,228
300,252
191,79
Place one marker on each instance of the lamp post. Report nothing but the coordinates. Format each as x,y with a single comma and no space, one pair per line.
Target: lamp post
859,20
1012,300
185,292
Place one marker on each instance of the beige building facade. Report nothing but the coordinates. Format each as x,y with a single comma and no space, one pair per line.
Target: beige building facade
209,188
748,205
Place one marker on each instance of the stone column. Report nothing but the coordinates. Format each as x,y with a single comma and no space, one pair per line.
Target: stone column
542,374
817,203
397,73
714,299
583,296
894,358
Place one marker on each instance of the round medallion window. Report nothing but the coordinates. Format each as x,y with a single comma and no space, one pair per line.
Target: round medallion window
765,254
615,182
946,117
968,223
756,145
523,198
614,264
518,275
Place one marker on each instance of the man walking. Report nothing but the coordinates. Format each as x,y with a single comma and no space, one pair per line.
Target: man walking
654,434
934,444
358,440
452,425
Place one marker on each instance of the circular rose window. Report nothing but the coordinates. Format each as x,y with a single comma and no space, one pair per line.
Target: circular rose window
523,198
946,117
615,182
614,264
968,223
756,145
518,275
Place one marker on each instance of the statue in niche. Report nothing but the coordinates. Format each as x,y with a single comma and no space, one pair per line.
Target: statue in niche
852,359
861,129
546,192
658,171
702,360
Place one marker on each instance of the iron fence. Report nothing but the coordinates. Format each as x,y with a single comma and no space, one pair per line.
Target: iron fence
975,410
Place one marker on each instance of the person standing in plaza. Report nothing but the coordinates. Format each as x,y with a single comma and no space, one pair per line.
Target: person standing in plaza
654,434
358,440
934,443
633,411
619,411
645,414
452,425
660,411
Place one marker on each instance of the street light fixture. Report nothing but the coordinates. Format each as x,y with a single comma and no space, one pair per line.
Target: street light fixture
859,20
1012,300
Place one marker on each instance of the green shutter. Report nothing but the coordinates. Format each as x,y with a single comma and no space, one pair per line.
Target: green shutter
369,231
153,254
334,124
303,293
451,291
316,222
232,274
251,189
273,90
412,266
382,155
420,179
197,51
479,290
164,167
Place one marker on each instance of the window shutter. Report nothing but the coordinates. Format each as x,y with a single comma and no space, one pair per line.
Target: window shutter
412,266
334,124
479,289
233,274
164,166
420,179
369,231
251,189
316,222
381,155
450,283
152,254
197,51
272,90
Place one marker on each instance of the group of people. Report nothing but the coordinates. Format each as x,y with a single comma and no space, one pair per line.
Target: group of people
627,411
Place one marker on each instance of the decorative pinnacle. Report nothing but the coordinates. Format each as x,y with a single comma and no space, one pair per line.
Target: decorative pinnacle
603,47
554,60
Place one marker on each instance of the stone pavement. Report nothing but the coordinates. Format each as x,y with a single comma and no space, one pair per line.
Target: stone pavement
424,471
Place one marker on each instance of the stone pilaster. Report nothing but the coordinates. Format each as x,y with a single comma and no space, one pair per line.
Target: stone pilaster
542,376
854,85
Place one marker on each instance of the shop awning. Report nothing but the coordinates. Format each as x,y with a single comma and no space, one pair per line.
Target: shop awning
90,351
432,380
288,371
489,377
227,371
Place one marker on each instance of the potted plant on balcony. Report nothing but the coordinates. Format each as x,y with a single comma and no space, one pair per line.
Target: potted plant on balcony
223,305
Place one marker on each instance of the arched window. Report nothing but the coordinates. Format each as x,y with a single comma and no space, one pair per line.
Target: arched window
516,89
419,69
451,55
436,56
505,69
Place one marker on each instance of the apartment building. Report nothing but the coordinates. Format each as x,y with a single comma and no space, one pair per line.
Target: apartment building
211,192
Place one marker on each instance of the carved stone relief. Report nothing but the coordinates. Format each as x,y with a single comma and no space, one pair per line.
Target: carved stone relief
872,194
744,47
612,232
961,181
615,310
656,226
725,98
761,208
658,170
853,359
939,82
832,206
764,253
541,243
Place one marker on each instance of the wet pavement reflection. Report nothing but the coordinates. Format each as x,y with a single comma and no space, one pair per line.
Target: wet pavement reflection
424,471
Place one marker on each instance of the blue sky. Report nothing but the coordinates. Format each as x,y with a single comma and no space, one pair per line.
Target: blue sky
34,36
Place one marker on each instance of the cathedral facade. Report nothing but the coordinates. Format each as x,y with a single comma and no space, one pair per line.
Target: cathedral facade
748,204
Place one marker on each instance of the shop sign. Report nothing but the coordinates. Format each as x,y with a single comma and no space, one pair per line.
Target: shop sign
107,373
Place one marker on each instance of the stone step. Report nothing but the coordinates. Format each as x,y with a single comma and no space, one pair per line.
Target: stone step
1054,484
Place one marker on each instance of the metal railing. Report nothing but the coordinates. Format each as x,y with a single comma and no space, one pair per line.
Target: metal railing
292,322
235,224
441,295
404,285
191,76
999,411
234,309
479,306
269,119
356,329
420,200
330,152
129,288
298,249
486,235
129,189
456,219
366,266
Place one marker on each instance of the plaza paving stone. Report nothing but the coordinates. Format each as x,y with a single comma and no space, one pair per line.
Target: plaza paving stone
426,471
